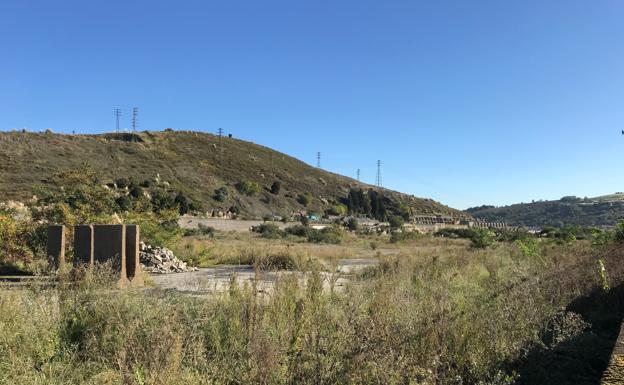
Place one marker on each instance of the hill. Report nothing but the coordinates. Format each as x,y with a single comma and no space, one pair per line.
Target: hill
194,164
603,211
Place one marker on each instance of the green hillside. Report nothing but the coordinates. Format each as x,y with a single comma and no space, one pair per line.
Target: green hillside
195,164
607,210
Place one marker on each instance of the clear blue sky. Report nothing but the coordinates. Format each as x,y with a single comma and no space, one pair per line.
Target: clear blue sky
467,102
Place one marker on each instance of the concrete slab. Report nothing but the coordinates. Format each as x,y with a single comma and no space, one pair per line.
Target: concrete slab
109,244
133,266
56,245
83,245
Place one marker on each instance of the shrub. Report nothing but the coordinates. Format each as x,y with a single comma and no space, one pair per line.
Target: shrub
248,188
122,182
280,261
338,209
183,204
305,221
455,233
304,199
201,229
352,224
396,222
401,236
619,233
146,183
482,238
136,192
221,194
332,235
124,203
298,230
268,230
276,187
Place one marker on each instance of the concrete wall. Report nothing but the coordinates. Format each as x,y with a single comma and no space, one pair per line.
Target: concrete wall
109,244
56,245
133,267
83,245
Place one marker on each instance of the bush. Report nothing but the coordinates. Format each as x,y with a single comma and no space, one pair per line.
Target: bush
124,203
352,224
483,238
332,235
619,233
396,222
183,204
136,192
455,233
146,183
280,261
276,187
221,194
401,236
304,199
268,230
201,229
338,209
248,188
122,182
298,230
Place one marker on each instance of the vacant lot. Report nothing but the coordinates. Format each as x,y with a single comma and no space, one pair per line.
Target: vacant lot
432,311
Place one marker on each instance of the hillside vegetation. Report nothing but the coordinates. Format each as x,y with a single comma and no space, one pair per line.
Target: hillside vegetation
212,173
606,210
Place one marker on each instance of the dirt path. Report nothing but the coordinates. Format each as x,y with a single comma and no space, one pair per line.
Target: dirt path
218,279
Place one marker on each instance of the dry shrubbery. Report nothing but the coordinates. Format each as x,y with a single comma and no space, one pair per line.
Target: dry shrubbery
457,317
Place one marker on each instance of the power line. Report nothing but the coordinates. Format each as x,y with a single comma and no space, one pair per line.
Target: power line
318,159
135,114
117,112
378,180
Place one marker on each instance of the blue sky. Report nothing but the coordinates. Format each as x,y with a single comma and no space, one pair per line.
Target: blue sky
467,102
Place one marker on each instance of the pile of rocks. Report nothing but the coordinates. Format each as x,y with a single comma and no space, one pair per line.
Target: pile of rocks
161,260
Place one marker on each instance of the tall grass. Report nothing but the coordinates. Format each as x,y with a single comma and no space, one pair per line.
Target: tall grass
457,316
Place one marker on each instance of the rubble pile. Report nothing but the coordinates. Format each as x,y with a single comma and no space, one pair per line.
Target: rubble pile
161,260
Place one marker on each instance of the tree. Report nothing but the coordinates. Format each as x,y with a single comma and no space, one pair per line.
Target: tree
276,187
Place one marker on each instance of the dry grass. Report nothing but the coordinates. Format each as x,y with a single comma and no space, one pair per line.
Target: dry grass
435,314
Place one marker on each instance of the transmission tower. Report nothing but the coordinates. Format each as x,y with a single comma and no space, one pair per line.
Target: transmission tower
135,114
358,174
318,160
117,112
378,179
220,133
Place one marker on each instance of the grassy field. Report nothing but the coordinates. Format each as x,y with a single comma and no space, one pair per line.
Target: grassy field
434,311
